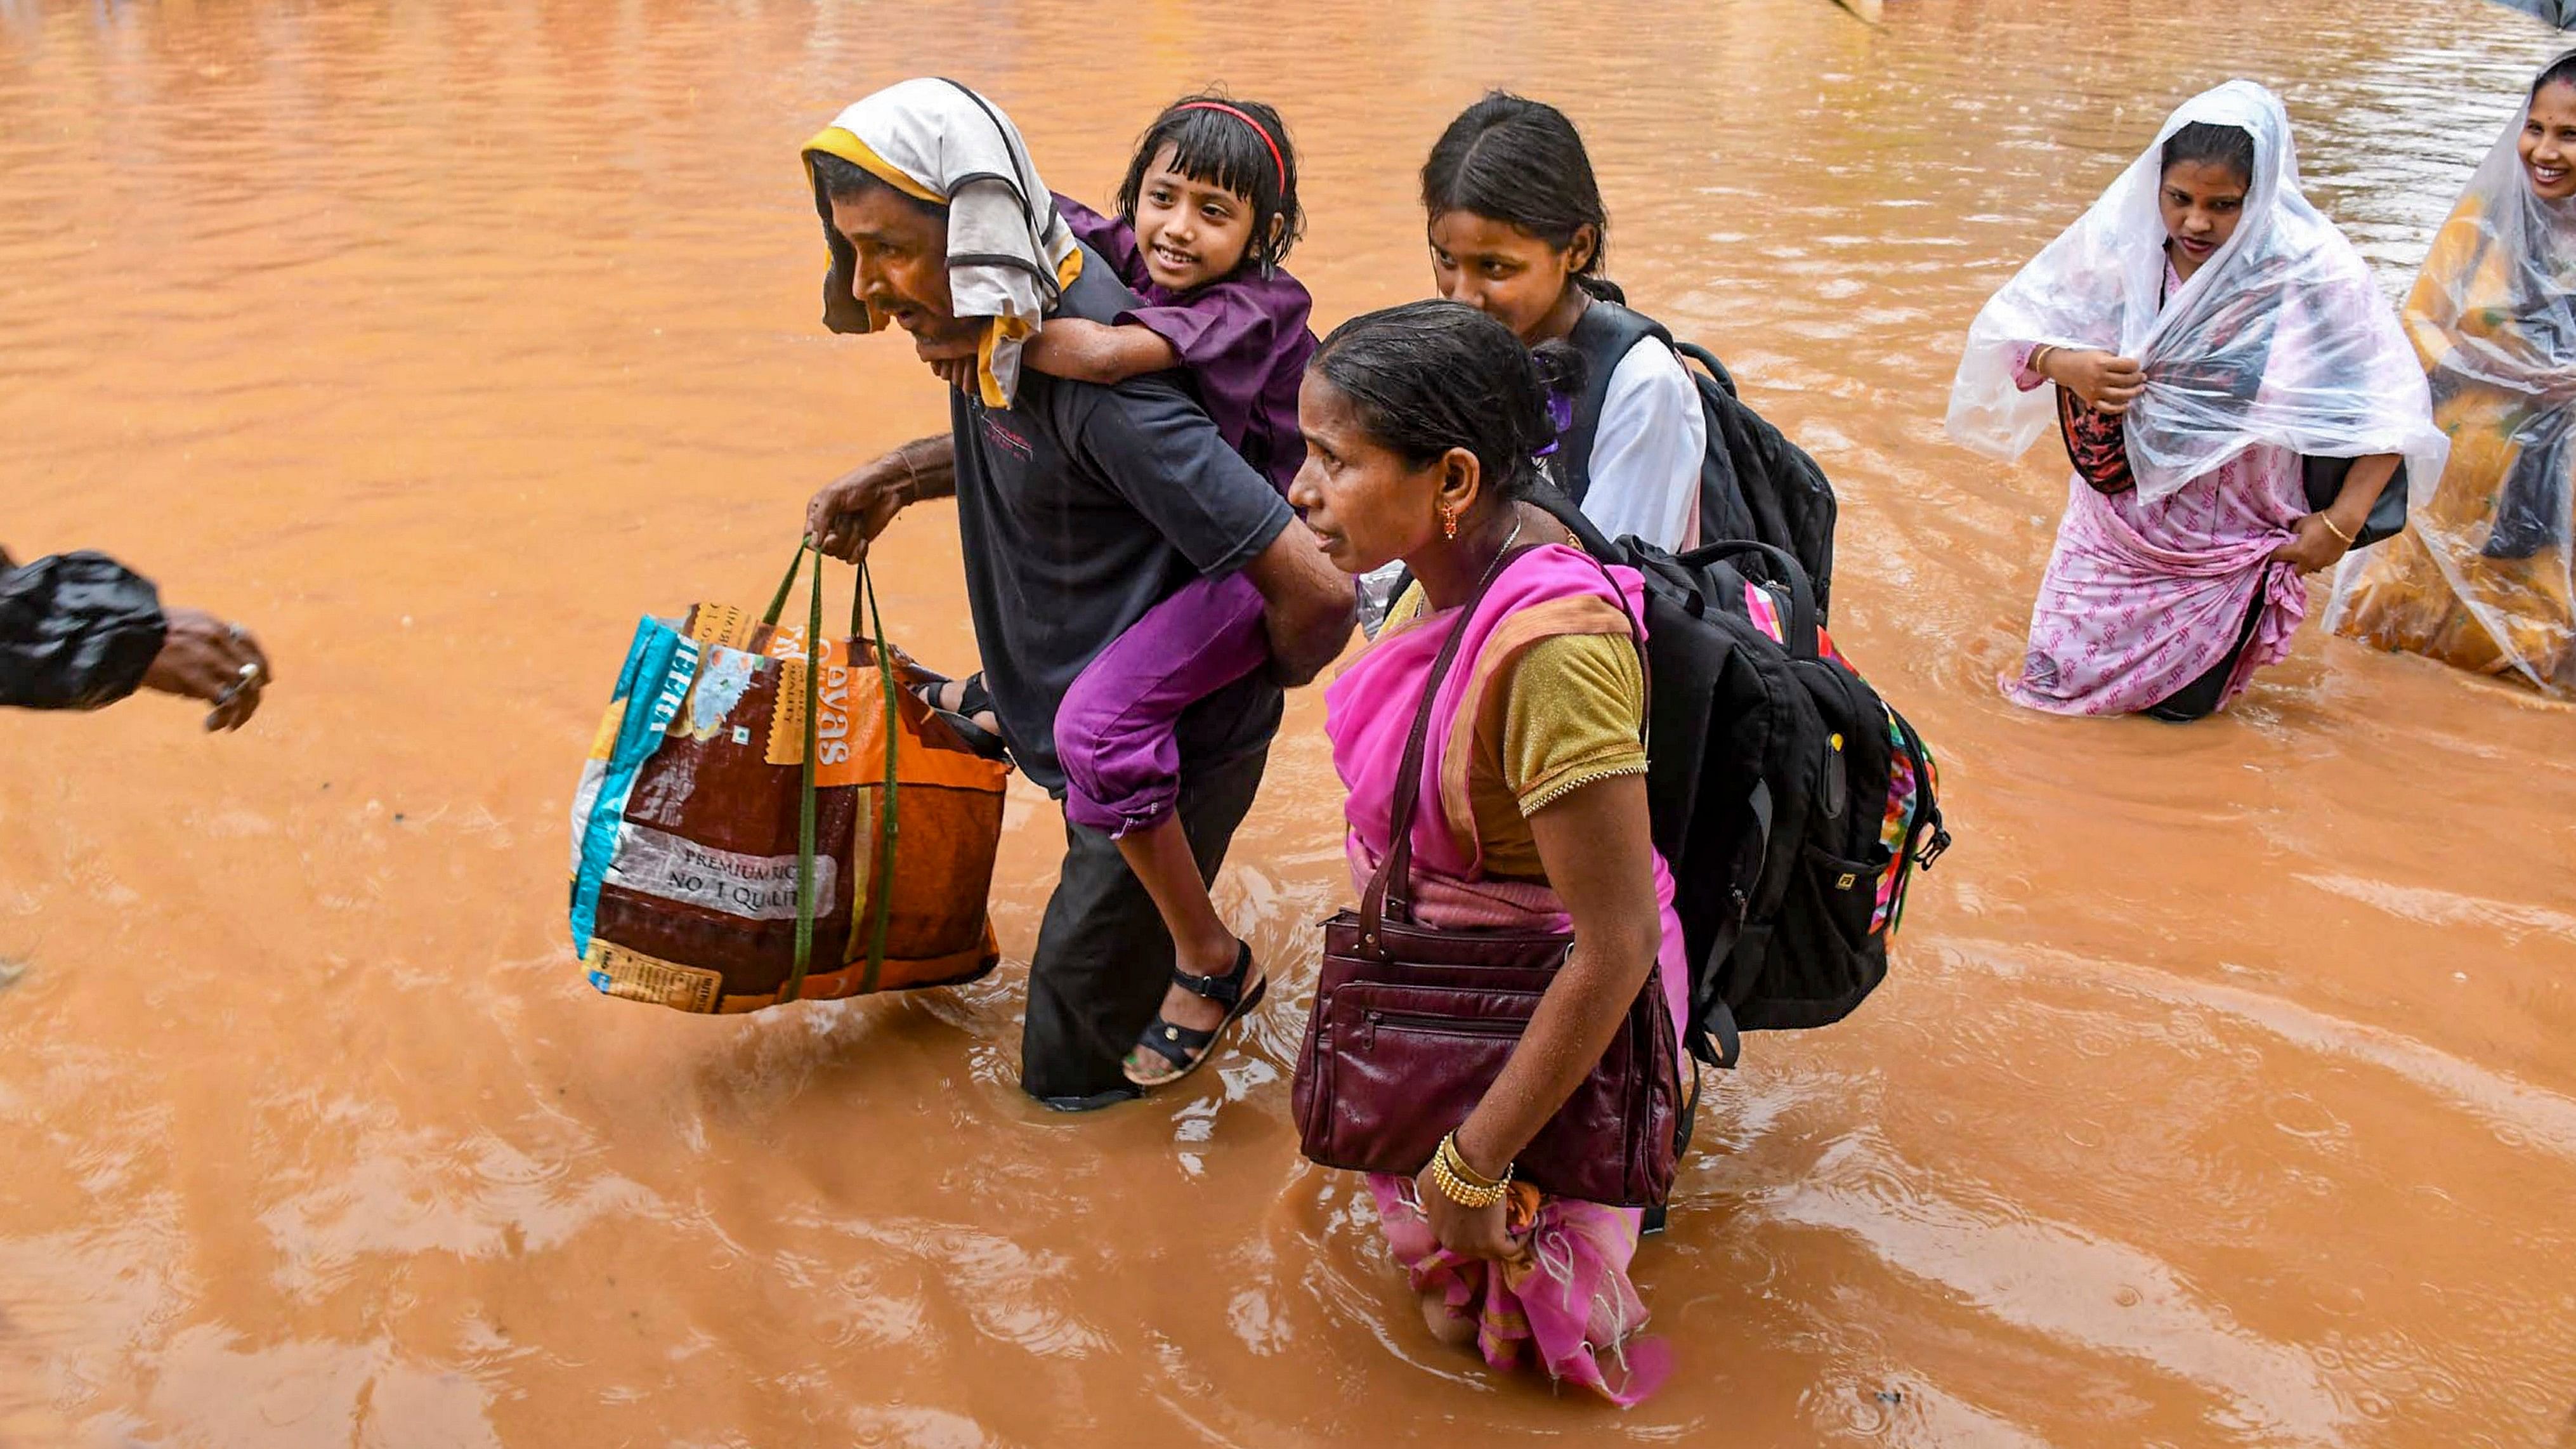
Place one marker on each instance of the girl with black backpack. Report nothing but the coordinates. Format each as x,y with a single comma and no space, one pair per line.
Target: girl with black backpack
1517,231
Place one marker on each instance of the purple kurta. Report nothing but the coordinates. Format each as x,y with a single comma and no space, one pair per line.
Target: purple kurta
1243,338
1245,343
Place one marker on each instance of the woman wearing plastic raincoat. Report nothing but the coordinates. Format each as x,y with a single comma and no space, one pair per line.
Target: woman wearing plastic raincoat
2233,330
2481,578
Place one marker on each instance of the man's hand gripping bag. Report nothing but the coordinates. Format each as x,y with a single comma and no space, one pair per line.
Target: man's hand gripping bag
754,827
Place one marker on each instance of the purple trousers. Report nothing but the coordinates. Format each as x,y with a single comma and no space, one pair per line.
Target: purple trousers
1114,730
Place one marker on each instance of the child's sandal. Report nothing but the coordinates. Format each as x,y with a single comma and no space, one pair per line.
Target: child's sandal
974,705
1188,1049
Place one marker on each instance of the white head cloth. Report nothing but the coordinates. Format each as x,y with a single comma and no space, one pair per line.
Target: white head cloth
2281,337
1007,248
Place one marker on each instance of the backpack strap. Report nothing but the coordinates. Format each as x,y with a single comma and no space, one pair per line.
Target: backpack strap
1802,625
1604,334
1636,640
1721,1042
1587,535
1717,1039
1708,359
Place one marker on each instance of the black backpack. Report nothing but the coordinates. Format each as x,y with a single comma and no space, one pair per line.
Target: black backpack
1791,804
1753,482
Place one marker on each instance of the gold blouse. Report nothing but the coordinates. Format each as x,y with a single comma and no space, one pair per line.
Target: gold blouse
1567,712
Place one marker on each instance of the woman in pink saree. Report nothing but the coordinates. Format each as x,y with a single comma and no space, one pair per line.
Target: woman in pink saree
2231,332
1421,422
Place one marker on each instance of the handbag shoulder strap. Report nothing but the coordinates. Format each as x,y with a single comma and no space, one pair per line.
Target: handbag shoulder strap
1394,875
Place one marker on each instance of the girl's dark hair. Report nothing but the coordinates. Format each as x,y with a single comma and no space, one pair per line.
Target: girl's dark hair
1521,162
1430,376
1218,149
2228,146
838,178
2561,72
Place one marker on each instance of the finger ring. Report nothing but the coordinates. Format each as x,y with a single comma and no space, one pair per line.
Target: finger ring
250,671
237,632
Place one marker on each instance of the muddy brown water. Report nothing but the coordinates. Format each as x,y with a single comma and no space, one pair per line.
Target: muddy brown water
2222,1094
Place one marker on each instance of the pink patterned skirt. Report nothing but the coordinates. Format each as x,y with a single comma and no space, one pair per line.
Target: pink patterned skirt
2141,599
1564,1306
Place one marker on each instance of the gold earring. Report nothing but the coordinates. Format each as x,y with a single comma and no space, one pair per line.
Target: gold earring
1448,523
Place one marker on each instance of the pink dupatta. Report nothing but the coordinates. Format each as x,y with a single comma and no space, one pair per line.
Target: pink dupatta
1566,1304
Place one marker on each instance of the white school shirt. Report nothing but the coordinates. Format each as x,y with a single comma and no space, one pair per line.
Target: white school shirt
1646,454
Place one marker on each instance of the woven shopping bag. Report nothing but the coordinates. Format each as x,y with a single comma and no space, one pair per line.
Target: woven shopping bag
760,823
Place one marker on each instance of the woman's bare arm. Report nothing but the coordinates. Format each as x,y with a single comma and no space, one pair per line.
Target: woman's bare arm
1593,844
2320,540
2361,489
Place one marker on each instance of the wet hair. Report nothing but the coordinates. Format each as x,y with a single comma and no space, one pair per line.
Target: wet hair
1521,162
2561,72
1216,149
1427,377
839,179
2228,146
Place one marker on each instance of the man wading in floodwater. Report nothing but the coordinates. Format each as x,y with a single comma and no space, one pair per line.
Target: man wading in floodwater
1079,506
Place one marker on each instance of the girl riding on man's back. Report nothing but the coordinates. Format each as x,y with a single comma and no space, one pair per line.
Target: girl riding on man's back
1207,211
1206,214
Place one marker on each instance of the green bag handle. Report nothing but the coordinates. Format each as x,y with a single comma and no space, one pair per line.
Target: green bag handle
881,877
778,601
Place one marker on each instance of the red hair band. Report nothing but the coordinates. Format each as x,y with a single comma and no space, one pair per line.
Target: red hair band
1276,161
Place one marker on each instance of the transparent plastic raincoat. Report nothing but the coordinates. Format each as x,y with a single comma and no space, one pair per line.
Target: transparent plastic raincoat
2561,13
2166,598
2281,337
2481,578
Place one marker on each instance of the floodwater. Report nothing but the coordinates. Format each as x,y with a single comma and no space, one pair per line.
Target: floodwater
2221,1095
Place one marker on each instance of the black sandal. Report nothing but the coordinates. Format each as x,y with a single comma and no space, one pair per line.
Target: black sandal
973,699
977,739
1188,1049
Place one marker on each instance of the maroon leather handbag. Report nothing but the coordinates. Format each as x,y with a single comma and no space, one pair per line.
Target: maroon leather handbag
1412,1023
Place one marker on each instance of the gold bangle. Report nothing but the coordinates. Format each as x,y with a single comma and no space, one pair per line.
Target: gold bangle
1466,1173
2348,539
1463,1184
1464,1194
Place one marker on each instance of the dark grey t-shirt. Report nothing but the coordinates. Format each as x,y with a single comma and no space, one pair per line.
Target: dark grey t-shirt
1080,507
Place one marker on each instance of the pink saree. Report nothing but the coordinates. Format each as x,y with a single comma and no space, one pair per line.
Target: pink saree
1565,1304
2142,598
